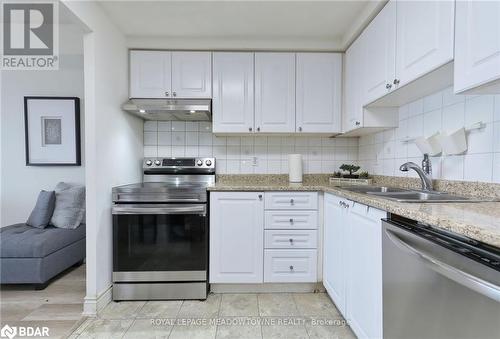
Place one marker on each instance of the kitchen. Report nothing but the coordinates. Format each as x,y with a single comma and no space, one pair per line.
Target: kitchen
237,206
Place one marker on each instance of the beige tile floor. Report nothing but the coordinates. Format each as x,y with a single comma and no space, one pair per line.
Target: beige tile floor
252,316
59,306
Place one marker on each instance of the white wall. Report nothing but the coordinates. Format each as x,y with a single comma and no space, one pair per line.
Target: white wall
20,183
113,140
235,154
383,153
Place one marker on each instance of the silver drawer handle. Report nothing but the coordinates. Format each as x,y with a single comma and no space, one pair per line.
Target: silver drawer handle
291,201
291,221
260,196
291,268
291,240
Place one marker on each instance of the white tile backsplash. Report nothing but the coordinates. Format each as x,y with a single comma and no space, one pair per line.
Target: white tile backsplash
248,154
440,112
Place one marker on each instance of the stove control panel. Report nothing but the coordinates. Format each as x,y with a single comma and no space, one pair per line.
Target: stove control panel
173,163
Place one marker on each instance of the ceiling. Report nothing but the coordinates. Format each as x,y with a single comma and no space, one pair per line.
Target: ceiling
329,25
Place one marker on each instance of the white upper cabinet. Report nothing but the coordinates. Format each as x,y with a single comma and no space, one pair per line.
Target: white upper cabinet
378,47
274,92
150,74
318,92
164,74
425,35
192,74
236,237
233,96
477,47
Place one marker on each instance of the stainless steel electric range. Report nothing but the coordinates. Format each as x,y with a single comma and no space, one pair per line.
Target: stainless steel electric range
160,231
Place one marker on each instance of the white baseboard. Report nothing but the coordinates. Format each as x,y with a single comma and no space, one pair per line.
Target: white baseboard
267,288
92,306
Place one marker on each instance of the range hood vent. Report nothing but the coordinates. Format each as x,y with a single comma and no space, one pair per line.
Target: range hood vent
170,109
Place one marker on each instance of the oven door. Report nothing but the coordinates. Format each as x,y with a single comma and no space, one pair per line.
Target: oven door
160,242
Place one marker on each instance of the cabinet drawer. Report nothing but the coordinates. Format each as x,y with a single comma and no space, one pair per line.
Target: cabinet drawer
290,266
290,239
298,220
291,200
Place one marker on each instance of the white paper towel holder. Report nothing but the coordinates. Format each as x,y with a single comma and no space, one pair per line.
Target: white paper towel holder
295,168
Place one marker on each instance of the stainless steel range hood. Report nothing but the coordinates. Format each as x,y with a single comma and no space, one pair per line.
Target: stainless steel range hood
170,109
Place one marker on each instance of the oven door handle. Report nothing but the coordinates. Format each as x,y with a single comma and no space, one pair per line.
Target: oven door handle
159,209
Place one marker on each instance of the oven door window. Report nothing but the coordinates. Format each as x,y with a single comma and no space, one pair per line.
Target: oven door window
160,242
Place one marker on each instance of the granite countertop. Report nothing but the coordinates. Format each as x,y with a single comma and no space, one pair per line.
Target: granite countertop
479,221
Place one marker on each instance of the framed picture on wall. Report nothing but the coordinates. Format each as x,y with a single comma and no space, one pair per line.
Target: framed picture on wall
52,131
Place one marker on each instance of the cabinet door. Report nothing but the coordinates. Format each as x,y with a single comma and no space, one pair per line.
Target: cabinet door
352,113
477,45
150,74
236,237
425,33
192,74
334,267
364,283
275,92
233,92
379,54
319,80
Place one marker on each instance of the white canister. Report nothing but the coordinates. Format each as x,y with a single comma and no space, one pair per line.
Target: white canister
295,167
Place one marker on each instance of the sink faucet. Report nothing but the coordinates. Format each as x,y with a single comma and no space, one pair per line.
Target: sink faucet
425,173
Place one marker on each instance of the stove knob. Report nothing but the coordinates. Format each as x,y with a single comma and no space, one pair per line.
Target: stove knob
157,162
208,162
149,162
199,163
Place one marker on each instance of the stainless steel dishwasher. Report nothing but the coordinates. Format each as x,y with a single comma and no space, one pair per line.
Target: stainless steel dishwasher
437,284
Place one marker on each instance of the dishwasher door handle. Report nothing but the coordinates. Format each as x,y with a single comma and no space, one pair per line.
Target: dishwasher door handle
463,278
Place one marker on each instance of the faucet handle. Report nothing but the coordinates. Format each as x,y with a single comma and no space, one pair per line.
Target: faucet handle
427,164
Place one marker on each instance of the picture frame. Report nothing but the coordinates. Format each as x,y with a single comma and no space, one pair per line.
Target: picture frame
52,131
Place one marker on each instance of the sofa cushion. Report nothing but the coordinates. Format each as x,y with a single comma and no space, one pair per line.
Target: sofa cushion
23,241
69,211
41,214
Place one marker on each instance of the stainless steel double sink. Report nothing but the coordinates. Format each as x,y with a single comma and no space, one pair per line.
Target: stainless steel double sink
405,195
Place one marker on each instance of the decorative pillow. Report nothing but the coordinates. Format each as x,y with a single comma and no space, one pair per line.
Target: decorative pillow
41,214
69,211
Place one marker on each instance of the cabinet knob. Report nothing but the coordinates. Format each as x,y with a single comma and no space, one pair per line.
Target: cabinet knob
250,129
174,94
388,86
291,240
167,94
258,129
291,268
358,123
291,220
300,129
260,196
396,81
291,201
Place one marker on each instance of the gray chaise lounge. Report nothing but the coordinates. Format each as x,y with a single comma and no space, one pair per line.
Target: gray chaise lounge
32,255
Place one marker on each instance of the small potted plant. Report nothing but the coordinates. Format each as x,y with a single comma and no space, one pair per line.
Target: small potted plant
364,175
337,174
351,169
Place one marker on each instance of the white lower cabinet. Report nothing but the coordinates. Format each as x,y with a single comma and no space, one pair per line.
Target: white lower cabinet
352,264
257,237
236,237
290,265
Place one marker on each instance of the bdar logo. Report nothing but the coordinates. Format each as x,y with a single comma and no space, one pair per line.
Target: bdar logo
9,332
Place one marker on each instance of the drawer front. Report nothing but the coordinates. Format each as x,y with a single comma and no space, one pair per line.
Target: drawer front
290,266
290,239
298,220
291,200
